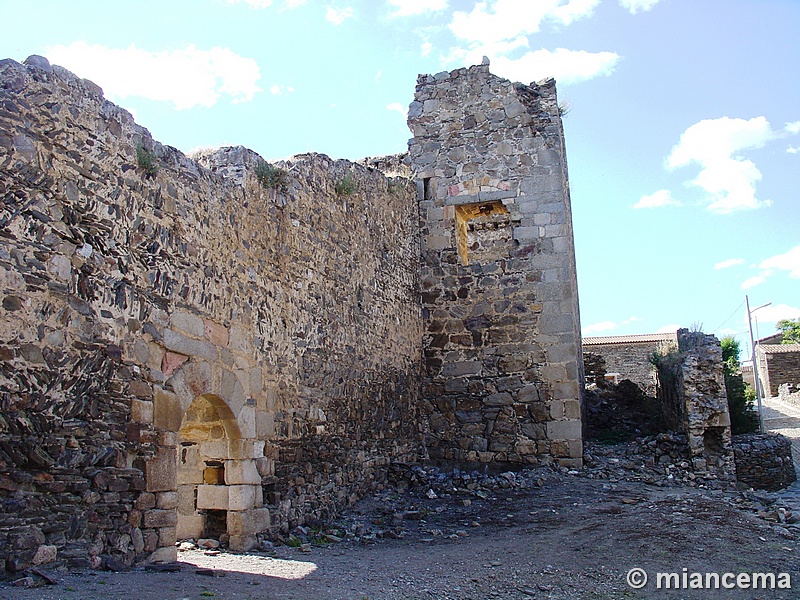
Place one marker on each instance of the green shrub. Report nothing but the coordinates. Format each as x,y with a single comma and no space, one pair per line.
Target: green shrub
146,160
272,177
744,418
346,186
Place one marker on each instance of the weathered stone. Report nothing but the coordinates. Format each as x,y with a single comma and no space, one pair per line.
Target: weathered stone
45,554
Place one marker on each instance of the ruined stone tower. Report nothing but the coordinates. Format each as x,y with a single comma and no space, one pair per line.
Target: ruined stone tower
215,346
499,293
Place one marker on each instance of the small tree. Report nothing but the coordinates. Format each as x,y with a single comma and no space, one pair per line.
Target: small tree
740,403
790,329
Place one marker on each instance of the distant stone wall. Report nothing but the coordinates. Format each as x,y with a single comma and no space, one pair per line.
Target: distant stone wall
789,392
629,357
499,293
184,350
764,460
778,364
694,402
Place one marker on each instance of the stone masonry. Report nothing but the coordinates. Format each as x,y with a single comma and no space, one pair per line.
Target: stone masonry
217,346
777,364
692,394
183,349
629,356
499,294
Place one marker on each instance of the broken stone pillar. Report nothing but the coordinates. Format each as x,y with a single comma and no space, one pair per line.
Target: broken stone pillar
498,284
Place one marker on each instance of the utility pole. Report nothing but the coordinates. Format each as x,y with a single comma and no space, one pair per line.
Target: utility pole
756,382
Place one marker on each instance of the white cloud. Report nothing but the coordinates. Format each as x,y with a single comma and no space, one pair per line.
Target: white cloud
631,320
496,28
789,261
566,66
634,6
657,200
337,16
793,150
752,282
774,313
793,127
728,178
256,4
494,21
671,328
426,48
407,8
252,3
397,107
280,90
187,77
598,328
727,264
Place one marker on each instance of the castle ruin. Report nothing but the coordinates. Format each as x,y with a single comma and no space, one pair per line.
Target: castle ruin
188,348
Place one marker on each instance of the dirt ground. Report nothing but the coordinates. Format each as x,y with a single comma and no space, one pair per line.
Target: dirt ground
550,535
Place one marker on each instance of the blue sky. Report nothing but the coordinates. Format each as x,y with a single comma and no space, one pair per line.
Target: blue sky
683,134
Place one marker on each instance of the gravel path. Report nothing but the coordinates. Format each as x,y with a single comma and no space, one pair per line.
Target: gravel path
551,535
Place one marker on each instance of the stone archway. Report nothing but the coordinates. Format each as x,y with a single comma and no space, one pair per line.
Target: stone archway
219,491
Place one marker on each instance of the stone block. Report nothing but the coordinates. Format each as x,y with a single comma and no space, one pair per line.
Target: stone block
572,409
166,554
181,344
566,390
265,424
232,391
161,471
155,518
193,380
242,543
167,536
247,421
190,527
248,522
145,501
239,339
44,555
242,497
216,334
501,399
529,393
213,497
140,389
167,410
187,323
438,242
556,408
141,411
564,430
458,369
171,362
186,505
167,500
238,472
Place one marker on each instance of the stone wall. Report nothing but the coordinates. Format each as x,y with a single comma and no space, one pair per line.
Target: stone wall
174,329
693,398
789,392
764,460
778,364
629,356
499,295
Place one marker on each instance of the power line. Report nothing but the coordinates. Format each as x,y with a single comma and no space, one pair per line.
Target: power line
729,318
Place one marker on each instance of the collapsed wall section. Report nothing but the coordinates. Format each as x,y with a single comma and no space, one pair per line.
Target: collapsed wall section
693,399
186,347
498,283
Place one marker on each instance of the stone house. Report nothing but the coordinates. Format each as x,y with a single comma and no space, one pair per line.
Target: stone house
628,356
778,364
